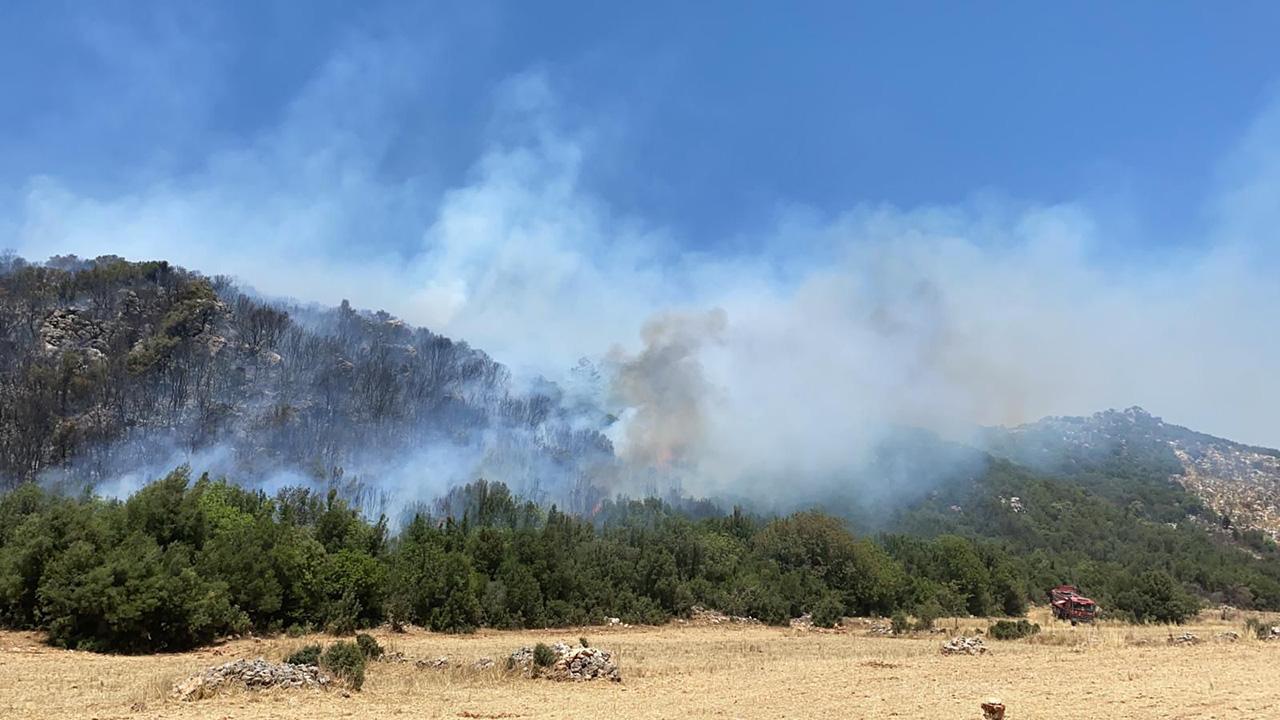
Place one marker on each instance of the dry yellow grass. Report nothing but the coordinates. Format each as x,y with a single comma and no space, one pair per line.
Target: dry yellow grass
1108,671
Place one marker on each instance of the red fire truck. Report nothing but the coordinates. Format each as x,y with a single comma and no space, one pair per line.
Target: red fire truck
1069,604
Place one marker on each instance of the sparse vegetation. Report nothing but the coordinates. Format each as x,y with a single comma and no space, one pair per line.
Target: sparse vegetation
748,664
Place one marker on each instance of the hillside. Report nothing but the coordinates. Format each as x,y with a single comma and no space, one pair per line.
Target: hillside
1239,483
114,372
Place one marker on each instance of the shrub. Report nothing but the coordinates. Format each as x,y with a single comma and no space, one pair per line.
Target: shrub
1257,628
927,614
345,661
297,630
900,624
369,646
543,655
133,597
343,615
1011,630
307,655
828,611
583,642
399,611
1155,596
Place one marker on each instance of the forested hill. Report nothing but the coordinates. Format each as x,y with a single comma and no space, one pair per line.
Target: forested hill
114,373
1154,468
112,369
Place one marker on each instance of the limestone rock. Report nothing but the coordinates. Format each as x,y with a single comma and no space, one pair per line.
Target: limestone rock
257,674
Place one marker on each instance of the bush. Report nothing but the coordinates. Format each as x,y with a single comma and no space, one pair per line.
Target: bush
307,655
828,611
343,615
345,660
1257,628
1155,596
369,646
900,624
1010,630
133,597
543,655
583,642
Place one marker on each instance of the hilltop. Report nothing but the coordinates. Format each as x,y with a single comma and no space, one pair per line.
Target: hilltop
1239,483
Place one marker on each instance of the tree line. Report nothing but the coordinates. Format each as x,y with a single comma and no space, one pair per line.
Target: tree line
182,562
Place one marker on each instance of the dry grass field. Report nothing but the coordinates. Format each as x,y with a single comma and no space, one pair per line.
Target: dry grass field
678,671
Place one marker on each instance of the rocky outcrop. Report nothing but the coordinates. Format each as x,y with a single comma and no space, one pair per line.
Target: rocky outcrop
67,329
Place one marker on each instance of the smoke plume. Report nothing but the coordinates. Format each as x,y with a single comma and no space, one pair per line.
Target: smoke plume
794,355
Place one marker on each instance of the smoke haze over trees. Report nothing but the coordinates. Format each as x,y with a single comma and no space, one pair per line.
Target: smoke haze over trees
115,372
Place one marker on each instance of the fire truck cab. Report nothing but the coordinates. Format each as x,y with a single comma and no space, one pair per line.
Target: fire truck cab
1069,604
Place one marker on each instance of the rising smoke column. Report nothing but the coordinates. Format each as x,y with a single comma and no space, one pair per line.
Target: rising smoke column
665,394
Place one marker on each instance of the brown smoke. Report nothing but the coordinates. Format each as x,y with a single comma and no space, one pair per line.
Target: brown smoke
666,390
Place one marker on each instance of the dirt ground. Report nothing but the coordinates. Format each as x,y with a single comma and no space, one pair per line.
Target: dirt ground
721,671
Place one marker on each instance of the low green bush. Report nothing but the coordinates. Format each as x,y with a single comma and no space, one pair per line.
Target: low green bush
543,655
369,646
900,624
307,655
345,660
827,611
1011,630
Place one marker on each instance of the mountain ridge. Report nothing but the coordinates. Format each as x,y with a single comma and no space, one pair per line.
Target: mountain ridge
1239,482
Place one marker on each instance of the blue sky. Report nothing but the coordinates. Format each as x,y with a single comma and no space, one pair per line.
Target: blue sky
710,113
853,215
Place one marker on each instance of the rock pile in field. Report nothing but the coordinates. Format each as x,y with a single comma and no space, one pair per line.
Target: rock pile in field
576,663
804,622
1228,636
1185,638
255,674
439,663
964,646
702,616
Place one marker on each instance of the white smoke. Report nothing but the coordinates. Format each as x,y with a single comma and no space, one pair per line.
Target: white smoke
829,330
